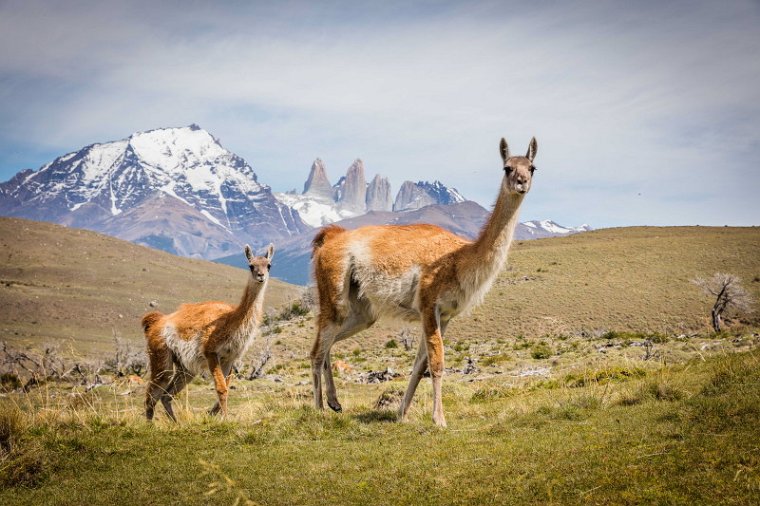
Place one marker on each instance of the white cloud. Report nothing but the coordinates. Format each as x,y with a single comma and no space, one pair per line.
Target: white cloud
624,100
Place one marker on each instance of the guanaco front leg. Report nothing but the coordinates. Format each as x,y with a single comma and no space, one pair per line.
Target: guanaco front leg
434,344
227,371
219,381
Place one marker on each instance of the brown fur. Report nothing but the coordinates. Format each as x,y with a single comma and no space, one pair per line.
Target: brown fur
150,319
323,234
214,334
418,272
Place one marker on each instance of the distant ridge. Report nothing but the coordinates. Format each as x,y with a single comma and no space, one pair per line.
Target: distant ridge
321,203
179,190
463,218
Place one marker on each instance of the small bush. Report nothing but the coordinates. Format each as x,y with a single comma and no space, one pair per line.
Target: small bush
11,423
575,409
460,346
653,390
484,394
391,344
389,398
575,380
27,469
727,374
662,391
294,310
9,382
496,359
541,351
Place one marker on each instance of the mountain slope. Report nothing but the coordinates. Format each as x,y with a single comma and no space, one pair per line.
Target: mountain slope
102,185
75,287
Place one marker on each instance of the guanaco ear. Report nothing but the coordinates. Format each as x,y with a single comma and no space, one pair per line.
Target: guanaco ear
504,149
532,148
270,251
248,252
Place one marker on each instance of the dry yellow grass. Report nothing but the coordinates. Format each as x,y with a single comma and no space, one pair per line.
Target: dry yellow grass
628,279
76,288
557,411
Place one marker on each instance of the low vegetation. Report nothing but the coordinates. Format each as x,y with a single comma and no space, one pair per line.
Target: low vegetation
596,379
658,435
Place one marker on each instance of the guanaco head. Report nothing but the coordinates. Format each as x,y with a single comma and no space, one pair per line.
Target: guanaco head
260,266
518,170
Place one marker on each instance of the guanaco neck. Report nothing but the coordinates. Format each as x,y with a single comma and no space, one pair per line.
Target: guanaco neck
485,258
251,306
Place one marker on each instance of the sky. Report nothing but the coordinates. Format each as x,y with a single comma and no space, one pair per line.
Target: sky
646,113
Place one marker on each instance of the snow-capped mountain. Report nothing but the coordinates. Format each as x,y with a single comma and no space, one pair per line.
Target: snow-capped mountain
179,190
536,229
316,211
321,204
465,219
181,181
422,193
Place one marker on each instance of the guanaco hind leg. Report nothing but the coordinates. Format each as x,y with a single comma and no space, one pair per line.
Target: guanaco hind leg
420,365
180,379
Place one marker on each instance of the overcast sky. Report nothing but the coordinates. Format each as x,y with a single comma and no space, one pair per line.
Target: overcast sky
645,113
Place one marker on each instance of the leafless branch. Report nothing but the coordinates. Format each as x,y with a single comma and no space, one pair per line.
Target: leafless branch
729,295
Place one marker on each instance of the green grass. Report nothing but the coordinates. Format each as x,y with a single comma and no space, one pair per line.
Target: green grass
528,446
598,382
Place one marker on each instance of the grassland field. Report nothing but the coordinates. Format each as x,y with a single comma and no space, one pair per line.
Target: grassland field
588,376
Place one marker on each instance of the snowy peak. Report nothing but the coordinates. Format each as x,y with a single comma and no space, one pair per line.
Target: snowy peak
549,228
351,196
103,181
174,149
422,193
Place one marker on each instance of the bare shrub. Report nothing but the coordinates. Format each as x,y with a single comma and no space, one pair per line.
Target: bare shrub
309,297
406,338
728,293
126,360
30,368
258,363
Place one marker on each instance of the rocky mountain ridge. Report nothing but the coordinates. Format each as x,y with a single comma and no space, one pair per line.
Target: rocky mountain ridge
184,172
321,203
179,190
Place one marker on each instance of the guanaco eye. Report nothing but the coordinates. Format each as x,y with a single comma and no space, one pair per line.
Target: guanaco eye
532,169
269,267
507,169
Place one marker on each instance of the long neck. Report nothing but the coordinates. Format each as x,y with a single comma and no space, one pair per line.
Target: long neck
496,236
485,257
251,305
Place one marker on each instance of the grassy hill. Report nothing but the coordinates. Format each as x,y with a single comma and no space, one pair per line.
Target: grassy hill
627,279
76,288
589,375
